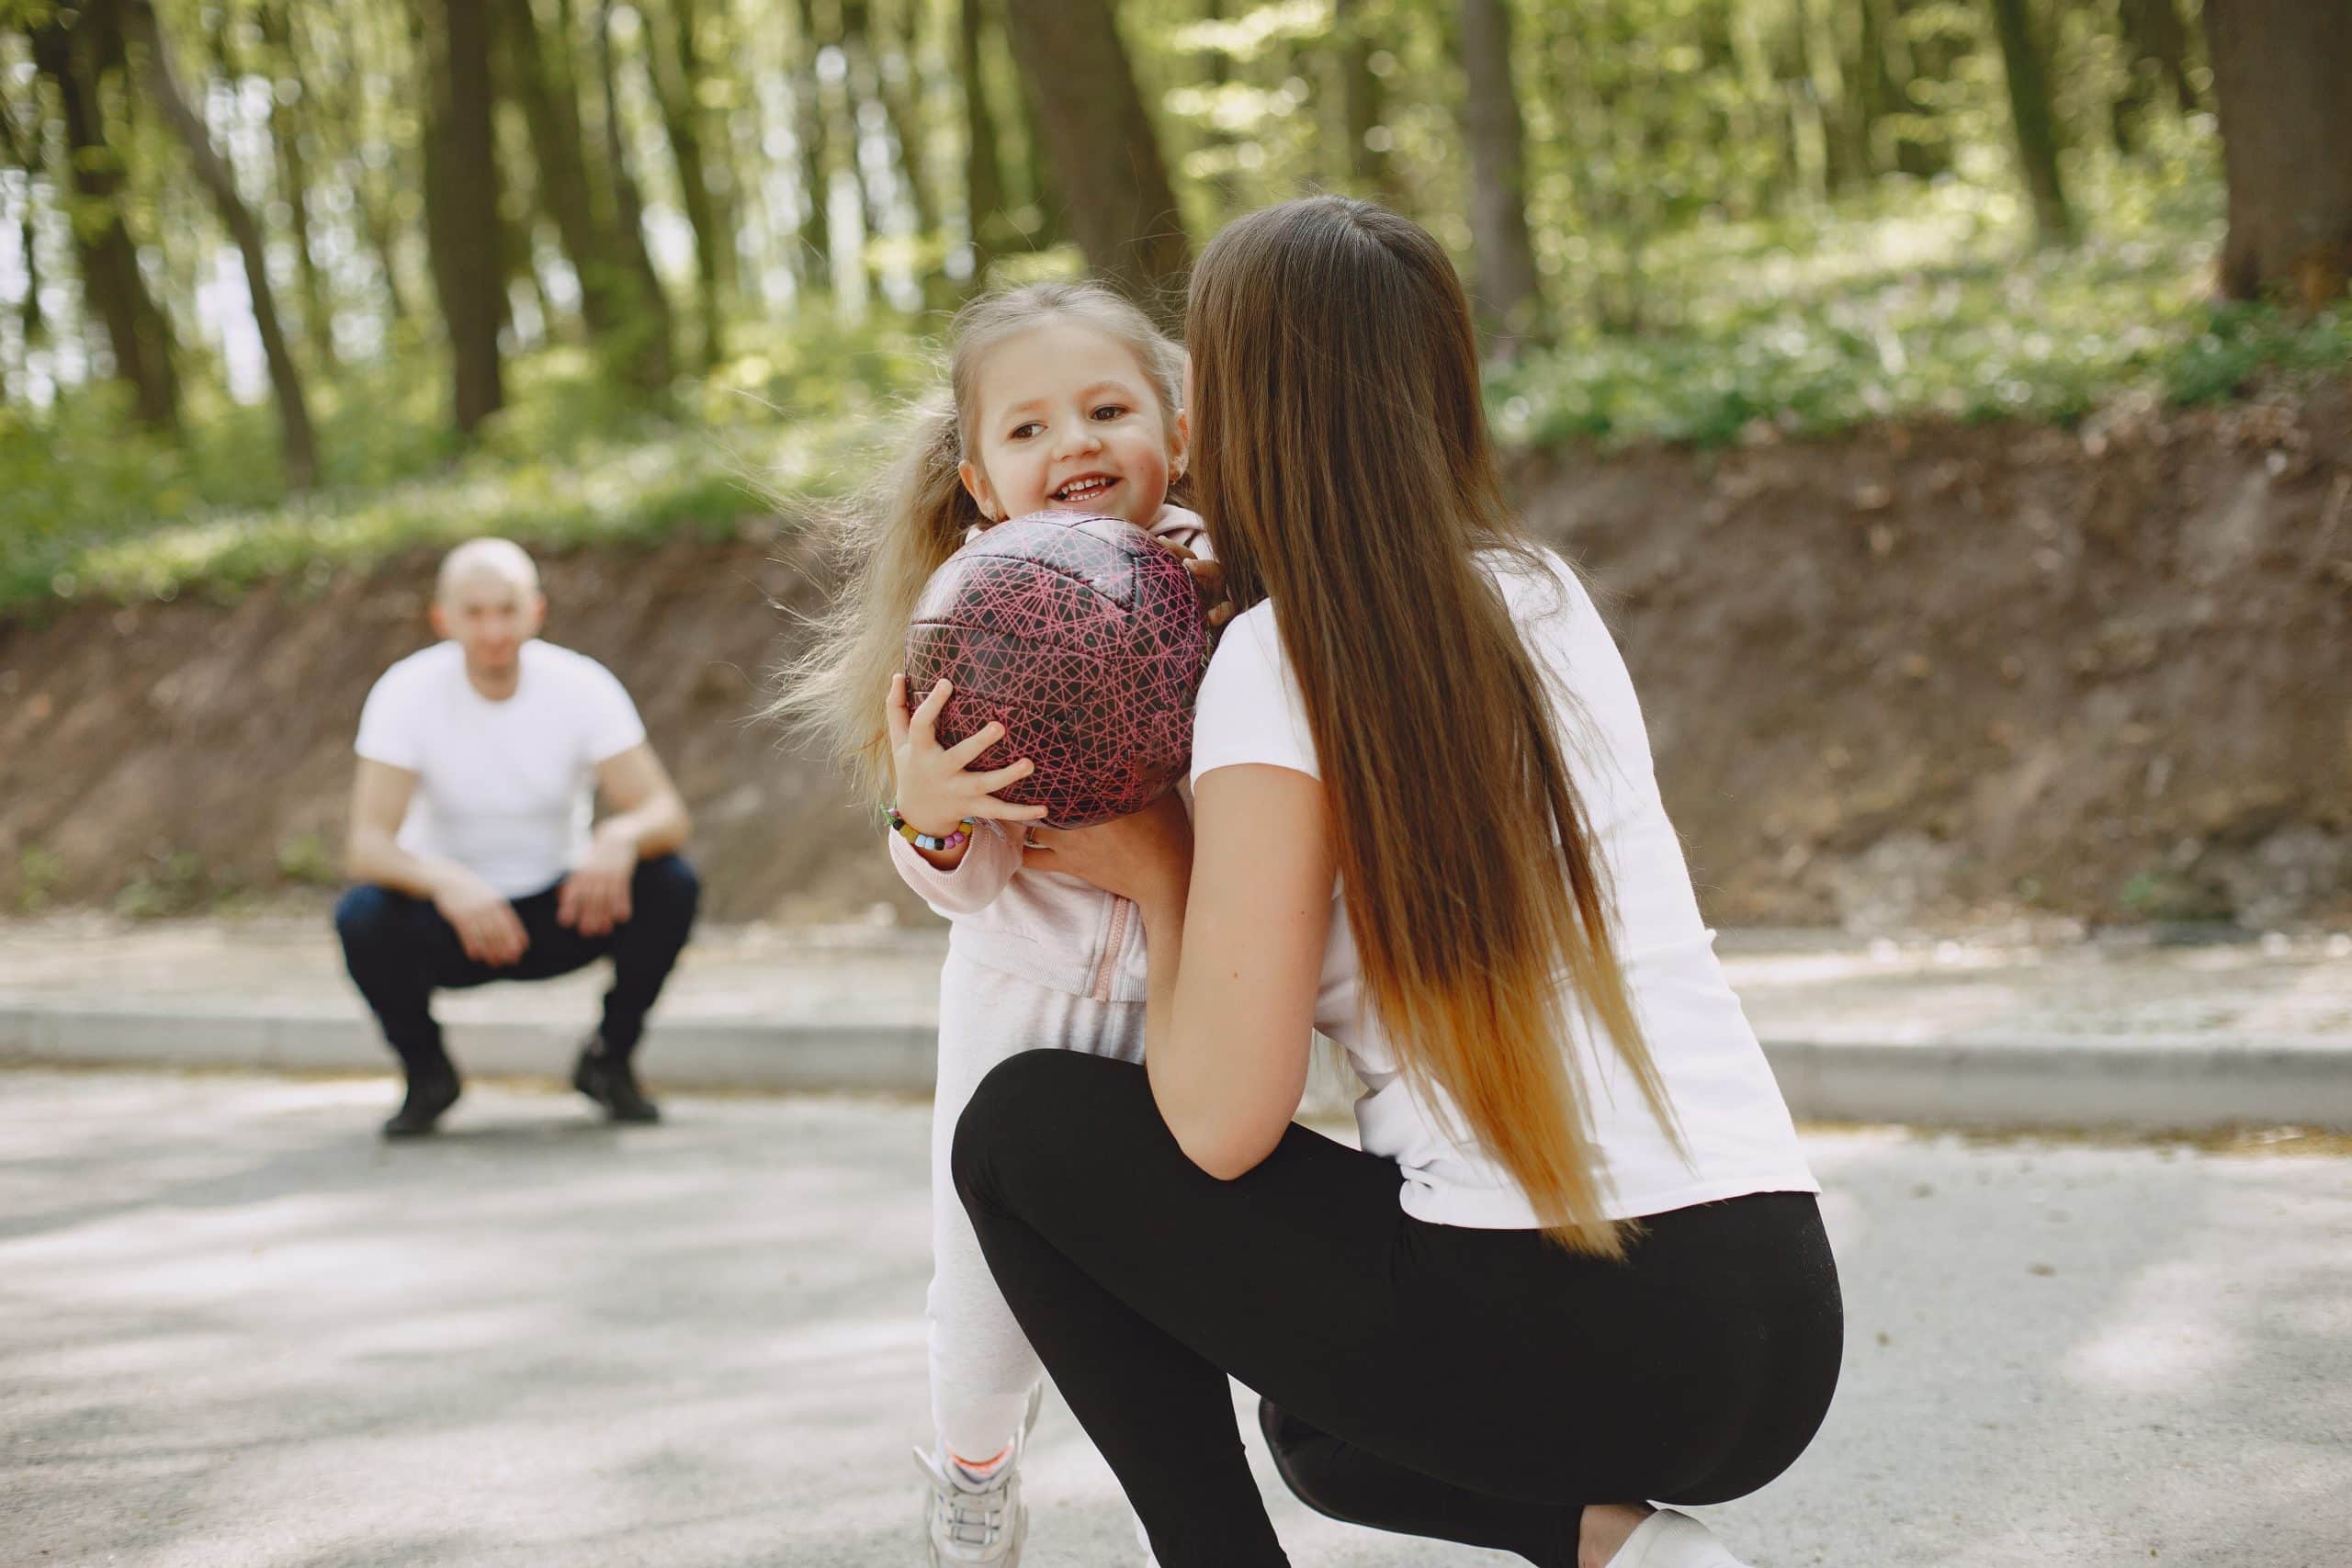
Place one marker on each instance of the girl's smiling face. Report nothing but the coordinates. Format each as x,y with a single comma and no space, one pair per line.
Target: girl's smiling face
1068,419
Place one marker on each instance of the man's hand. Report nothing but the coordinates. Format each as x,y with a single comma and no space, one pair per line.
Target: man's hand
485,923
595,897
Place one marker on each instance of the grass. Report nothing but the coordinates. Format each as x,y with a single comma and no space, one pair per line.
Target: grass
1923,301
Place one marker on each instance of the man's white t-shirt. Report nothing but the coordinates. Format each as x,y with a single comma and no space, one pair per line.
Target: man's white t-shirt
507,789
1717,1081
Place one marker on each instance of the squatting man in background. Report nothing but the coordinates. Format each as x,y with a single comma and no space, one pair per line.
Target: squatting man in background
471,843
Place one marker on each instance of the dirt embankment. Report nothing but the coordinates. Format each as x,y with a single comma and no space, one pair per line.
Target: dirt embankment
1916,675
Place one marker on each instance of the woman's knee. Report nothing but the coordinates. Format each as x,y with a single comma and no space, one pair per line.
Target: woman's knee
1024,1113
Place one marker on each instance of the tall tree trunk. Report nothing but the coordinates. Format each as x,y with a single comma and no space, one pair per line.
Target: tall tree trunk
651,306
1099,140
77,61
288,128
811,133
2158,42
869,82
295,432
628,323
25,154
2282,77
1509,292
983,159
537,71
677,76
899,93
2034,120
1364,103
904,88
1038,166
1225,179
1832,95
462,225
371,190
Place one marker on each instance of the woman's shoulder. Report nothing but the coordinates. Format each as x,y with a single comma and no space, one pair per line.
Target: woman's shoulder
1250,708
1535,579
1249,651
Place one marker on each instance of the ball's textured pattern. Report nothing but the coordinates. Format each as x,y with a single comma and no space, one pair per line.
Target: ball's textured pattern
1085,640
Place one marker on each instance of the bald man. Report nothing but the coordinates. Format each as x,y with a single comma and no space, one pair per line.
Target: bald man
472,837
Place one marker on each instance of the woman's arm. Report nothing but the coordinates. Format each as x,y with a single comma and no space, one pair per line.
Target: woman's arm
1237,914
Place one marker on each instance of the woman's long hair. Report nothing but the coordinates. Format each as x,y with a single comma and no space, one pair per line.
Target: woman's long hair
1342,461
886,547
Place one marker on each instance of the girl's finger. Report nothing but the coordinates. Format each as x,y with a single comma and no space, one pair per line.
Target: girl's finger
960,755
896,707
1220,614
995,779
927,714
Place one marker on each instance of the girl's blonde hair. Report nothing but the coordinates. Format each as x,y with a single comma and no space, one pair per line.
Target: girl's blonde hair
885,548
1341,459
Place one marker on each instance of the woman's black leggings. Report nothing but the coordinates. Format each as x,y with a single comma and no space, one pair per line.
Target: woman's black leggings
1476,1385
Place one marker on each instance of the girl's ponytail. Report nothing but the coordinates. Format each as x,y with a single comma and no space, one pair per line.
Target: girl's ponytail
832,693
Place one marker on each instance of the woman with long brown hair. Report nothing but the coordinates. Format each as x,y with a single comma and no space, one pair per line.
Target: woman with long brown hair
1577,1267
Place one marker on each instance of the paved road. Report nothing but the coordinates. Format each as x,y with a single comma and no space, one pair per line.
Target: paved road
1796,983
236,1330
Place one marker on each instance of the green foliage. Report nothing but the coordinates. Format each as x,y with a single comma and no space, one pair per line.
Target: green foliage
39,870
171,882
1745,213
572,460
2162,893
1925,304
309,860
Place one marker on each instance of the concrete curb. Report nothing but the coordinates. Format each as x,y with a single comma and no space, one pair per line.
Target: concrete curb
2138,1084
2141,1083
692,1054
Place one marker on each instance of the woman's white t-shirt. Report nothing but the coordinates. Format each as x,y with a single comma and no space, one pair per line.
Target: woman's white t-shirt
507,789
1734,1121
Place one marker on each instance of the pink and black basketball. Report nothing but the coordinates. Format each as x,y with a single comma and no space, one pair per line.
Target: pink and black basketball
1085,640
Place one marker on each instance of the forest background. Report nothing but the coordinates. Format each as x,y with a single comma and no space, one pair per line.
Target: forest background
1965,380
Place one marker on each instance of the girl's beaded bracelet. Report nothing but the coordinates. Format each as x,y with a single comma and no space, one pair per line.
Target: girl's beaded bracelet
935,843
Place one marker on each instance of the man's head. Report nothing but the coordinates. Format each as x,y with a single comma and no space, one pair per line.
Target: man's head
488,601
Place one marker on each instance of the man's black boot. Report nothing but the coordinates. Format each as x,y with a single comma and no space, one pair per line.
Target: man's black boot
429,1094
607,1080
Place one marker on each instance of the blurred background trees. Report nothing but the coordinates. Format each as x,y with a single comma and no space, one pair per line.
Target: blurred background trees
396,233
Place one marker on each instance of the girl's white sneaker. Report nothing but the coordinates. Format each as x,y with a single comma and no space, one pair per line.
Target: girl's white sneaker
977,1522
1671,1539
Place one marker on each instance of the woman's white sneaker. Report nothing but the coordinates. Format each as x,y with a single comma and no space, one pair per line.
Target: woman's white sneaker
1671,1539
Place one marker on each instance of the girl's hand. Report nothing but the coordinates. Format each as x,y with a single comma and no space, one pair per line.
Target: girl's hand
1208,579
935,792
1141,857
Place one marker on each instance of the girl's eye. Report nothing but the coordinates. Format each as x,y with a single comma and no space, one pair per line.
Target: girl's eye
1110,411
1023,432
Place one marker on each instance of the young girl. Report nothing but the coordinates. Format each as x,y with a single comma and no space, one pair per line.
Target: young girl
1577,1266
1064,395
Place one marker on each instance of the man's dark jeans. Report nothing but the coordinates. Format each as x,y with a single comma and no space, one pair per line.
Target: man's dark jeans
399,951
